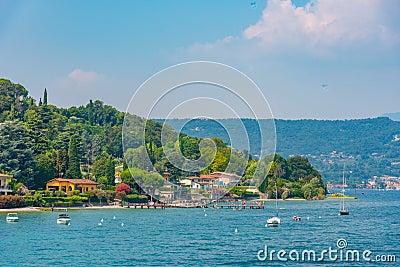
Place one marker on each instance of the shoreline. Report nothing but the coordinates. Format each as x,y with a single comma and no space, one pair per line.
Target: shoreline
24,209
61,209
42,209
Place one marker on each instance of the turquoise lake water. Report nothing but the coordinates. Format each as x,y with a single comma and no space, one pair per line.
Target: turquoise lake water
186,237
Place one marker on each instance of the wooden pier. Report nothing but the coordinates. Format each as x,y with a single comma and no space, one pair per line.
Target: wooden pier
164,206
238,207
146,206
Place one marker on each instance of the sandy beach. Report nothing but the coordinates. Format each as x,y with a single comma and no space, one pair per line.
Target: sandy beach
25,209
38,209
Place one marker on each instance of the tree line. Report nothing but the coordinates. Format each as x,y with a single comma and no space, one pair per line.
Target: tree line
39,141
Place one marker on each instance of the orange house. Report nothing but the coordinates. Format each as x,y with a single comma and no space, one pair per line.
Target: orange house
66,185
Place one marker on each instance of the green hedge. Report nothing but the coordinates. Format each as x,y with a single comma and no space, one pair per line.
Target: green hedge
52,200
75,198
134,198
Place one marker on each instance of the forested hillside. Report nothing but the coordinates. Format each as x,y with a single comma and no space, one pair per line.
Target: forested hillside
39,141
368,147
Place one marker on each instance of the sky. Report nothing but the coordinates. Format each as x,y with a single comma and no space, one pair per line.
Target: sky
327,59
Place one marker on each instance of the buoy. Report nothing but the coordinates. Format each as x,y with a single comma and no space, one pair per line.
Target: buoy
319,217
99,224
236,230
114,217
308,217
102,220
205,215
122,224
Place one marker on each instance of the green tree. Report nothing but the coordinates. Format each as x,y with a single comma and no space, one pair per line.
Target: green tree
61,162
73,170
45,170
16,153
45,97
301,168
104,166
12,95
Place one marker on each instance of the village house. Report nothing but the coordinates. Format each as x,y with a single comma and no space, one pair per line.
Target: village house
67,185
215,179
4,182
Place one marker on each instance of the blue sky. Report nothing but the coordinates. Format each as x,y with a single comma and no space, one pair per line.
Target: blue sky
81,50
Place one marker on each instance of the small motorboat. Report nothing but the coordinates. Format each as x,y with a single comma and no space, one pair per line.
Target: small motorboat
64,219
296,218
12,217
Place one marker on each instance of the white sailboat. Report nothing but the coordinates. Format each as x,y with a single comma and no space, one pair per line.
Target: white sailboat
343,210
275,220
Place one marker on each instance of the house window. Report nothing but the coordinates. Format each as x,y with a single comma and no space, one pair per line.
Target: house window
63,188
69,188
87,189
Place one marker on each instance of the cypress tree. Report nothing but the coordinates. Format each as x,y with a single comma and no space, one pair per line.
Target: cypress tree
73,170
45,97
90,112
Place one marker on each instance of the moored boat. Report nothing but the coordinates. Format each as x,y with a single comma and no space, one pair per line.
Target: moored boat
12,217
296,218
343,210
275,220
64,219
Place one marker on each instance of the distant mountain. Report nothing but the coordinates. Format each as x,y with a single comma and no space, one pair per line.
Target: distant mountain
393,116
368,147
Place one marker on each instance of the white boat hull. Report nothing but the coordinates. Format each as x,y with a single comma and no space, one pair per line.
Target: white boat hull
273,222
63,221
12,217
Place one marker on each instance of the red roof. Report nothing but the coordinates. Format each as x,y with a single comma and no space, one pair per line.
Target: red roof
75,181
204,183
202,177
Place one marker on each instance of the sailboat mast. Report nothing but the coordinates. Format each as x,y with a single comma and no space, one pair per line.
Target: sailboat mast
276,197
343,188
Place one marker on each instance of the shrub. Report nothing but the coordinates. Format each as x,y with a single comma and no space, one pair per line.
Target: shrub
122,187
52,200
135,198
76,198
121,195
21,189
10,202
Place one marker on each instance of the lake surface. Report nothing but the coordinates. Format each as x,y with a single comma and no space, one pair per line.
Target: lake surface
186,237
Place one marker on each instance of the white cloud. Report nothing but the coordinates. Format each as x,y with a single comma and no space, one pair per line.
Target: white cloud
84,77
78,80
325,22
352,45
321,28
